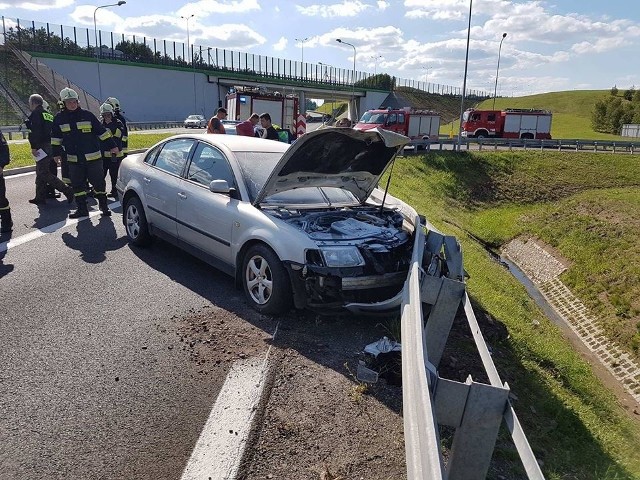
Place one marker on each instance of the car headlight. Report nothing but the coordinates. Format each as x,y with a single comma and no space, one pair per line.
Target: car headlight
347,256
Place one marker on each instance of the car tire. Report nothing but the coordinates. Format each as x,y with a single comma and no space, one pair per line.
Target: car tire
135,222
266,282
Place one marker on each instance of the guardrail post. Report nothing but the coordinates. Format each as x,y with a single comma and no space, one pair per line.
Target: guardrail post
614,147
443,312
475,437
595,146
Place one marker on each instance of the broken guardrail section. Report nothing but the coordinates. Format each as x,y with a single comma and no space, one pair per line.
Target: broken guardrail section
474,409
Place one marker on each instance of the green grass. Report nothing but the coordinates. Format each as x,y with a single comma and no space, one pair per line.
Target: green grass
21,152
579,204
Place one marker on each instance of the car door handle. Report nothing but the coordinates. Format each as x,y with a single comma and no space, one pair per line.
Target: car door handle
146,179
182,195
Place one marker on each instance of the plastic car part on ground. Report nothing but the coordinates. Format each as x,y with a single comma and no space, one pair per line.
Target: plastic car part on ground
384,345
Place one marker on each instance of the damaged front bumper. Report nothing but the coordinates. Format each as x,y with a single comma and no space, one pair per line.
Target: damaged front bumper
327,290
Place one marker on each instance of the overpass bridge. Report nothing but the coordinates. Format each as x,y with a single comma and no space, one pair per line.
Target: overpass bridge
167,80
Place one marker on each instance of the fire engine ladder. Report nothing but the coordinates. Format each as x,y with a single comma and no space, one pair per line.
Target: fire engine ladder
53,81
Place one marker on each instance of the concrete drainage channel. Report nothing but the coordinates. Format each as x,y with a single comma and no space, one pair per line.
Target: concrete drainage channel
543,270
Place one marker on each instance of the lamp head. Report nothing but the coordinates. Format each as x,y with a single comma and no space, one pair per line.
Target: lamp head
121,2
504,35
338,40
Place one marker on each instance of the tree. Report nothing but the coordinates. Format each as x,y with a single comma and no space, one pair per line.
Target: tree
614,91
137,52
628,95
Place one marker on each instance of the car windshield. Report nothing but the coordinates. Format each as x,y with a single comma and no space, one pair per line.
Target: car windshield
194,117
375,118
256,168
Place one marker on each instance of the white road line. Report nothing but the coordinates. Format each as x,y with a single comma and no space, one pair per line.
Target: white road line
17,175
41,232
219,449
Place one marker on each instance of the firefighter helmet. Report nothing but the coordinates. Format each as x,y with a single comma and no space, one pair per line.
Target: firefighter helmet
68,94
106,108
113,101
60,105
45,105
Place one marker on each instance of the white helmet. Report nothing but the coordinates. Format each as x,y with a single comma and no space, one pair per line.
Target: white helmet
106,108
68,94
45,105
113,101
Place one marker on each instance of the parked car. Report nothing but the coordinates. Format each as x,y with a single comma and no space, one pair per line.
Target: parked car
301,225
195,121
230,126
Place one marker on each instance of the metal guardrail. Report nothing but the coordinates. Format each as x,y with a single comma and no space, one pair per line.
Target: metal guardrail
475,410
18,132
614,146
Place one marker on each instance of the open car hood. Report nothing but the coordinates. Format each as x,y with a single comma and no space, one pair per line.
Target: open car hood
335,157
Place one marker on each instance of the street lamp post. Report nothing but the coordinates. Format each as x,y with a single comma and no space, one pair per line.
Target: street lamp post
375,59
353,79
333,93
302,40
464,81
426,77
99,48
193,66
495,88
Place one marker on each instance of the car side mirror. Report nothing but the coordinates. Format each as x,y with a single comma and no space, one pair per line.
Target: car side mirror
222,186
219,186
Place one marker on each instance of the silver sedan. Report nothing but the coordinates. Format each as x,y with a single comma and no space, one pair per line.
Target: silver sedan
302,225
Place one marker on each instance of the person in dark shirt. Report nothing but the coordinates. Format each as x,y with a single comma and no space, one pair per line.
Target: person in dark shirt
81,135
39,125
111,163
6,223
270,133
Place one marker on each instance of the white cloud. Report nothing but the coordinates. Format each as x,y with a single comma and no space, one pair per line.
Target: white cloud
36,4
382,5
281,44
600,45
83,15
204,8
345,9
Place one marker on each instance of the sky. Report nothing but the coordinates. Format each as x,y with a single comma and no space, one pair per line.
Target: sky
550,46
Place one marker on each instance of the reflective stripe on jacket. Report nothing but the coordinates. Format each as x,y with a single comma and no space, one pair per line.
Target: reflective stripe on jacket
80,134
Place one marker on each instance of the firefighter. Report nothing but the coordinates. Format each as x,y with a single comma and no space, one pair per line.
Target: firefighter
118,132
53,166
6,224
118,114
64,166
81,135
39,125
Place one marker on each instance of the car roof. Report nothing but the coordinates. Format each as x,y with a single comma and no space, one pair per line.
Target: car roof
238,143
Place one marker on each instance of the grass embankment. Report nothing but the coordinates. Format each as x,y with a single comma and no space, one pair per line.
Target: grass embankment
571,113
586,206
21,152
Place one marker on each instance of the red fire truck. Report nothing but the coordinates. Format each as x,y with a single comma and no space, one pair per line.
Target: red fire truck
416,124
509,123
282,109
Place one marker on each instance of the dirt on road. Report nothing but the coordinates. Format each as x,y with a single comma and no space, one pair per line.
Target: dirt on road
319,421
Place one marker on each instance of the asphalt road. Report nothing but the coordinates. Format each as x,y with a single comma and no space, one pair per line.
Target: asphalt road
95,381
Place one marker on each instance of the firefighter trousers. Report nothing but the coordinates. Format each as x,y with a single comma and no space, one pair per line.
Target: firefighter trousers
81,171
111,166
5,212
44,177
